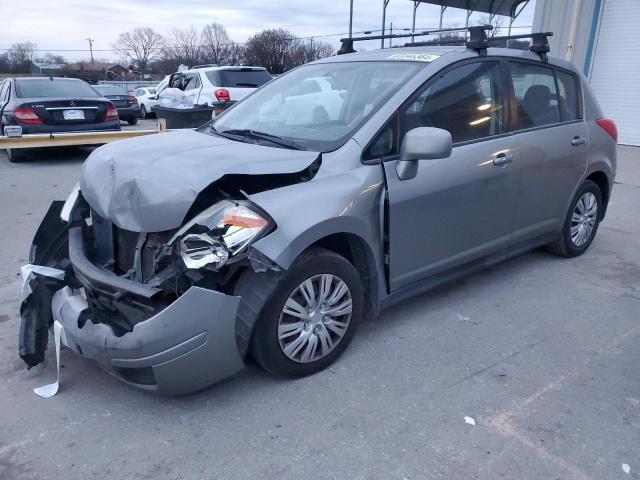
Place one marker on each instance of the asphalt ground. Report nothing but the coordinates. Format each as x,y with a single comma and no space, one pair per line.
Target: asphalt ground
541,352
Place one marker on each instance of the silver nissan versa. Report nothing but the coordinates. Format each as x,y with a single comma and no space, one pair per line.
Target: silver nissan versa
342,187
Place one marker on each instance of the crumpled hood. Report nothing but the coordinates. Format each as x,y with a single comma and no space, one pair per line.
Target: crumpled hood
148,184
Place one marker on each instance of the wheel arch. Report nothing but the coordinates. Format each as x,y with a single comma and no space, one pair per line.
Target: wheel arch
254,290
356,251
601,179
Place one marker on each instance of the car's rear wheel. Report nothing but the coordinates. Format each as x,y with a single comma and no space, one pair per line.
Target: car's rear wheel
581,223
132,120
143,112
311,317
16,156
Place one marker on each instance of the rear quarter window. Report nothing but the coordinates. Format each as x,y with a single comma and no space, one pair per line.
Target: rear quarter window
569,96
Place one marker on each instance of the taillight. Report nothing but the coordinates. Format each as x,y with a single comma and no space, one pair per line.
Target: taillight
112,114
609,126
27,116
132,100
222,94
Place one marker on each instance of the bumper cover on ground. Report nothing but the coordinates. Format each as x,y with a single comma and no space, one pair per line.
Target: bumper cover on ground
186,347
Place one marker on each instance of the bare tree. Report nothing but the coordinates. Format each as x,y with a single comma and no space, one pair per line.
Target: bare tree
315,50
236,54
51,59
183,45
21,55
4,63
497,22
277,50
140,46
215,43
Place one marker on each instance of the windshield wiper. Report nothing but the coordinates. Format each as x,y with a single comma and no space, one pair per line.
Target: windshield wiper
248,133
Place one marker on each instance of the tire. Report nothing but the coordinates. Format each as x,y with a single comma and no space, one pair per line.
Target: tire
568,246
320,115
132,120
143,112
269,350
16,156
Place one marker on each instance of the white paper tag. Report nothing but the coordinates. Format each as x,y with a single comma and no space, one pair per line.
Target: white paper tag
50,390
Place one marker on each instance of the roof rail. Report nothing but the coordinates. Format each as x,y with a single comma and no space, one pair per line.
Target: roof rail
478,40
477,34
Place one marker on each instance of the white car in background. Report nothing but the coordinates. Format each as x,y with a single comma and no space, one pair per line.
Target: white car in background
207,84
147,98
313,101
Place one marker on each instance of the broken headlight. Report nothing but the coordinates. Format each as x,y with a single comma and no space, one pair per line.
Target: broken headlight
219,233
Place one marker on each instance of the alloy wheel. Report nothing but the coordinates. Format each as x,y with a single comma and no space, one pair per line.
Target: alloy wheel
583,219
315,318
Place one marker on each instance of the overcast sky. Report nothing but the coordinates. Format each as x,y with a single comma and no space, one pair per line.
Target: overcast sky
65,24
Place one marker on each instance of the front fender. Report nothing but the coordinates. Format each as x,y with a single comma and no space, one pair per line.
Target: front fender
304,213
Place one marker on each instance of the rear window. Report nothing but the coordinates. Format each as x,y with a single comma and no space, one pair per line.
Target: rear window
111,90
53,88
240,78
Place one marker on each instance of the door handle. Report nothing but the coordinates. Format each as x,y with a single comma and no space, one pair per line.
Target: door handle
503,159
578,141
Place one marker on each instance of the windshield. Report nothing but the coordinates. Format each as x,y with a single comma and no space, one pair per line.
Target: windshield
53,88
318,106
111,90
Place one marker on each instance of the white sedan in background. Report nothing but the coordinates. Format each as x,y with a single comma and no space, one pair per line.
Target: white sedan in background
314,101
147,98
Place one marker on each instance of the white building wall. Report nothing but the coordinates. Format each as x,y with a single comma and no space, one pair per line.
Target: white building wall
598,36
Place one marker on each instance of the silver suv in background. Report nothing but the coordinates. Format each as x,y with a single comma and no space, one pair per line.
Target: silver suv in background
275,235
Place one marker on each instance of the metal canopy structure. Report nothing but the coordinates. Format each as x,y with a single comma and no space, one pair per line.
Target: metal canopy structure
507,8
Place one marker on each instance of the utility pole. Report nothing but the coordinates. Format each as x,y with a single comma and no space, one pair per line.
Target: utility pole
93,63
351,19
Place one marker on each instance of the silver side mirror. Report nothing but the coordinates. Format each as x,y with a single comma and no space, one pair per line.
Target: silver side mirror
423,143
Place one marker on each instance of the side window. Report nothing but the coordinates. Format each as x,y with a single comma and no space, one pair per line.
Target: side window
568,96
536,96
192,82
385,143
466,101
4,90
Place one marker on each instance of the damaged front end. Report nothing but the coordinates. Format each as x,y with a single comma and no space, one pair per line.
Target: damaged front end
157,310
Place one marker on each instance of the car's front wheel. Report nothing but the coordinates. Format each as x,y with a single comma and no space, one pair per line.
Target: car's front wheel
143,112
311,317
581,223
